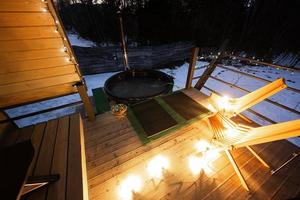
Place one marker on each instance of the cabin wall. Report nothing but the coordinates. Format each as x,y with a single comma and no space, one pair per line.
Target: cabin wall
35,59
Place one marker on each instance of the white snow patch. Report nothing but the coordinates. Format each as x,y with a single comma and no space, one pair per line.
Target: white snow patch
76,40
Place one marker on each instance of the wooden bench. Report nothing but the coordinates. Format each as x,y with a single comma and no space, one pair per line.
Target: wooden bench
58,149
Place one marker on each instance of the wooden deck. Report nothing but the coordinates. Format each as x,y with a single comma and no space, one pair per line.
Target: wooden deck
114,151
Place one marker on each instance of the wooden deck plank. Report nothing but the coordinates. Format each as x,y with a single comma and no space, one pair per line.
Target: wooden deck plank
44,160
76,184
60,157
36,140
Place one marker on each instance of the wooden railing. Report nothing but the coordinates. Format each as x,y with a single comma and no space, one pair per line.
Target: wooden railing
191,77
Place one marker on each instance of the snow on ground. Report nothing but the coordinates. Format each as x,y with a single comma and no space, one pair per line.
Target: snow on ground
76,40
286,97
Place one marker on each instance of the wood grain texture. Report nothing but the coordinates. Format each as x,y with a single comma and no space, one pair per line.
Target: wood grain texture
114,152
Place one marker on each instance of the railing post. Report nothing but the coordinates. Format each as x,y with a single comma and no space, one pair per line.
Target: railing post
192,65
86,101
211,67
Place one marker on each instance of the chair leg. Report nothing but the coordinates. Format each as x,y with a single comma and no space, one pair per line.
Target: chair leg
35,182
258,157
237,170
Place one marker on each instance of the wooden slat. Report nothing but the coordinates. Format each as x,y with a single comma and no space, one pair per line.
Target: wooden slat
38,94
193,60
32,44
77,178
26,19
36,74
38,84
33,64
36,141
23,33
86,101
27,6
6,57
59,164
44,160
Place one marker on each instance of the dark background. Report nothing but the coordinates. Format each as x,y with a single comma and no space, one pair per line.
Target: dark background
259,27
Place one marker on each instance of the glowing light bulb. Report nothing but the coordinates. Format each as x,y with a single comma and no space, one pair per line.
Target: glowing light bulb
230,132
157,165
132,183
196,164
202,145
44,10
223,103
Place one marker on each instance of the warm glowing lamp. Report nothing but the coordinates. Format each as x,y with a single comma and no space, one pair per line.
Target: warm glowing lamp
196,164
132,183
202,146
157,165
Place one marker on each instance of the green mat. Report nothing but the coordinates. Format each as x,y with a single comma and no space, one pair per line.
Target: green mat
102,104
178,106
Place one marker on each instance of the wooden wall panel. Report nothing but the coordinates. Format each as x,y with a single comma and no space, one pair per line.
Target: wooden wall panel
37,84
6,57
36,74
38,94
26,65
17,6
33,62
33,44
23,33
25,19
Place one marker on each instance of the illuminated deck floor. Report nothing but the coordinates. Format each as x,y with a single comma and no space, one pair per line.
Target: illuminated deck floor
114,151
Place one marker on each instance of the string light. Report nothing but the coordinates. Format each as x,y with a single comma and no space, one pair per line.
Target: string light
157,165
131,184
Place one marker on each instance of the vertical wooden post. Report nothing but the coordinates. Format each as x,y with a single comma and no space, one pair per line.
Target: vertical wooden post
192,65
237,170
86,101
211,67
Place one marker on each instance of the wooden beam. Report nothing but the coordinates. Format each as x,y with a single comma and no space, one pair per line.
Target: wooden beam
211,67
258,157
247,91
192,65
237,170
86,101
270,133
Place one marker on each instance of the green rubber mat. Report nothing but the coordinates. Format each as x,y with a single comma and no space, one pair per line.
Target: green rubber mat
160,116
101,102
184,105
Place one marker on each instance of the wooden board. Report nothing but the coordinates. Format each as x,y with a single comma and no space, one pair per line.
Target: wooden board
36,74
25,19
37,84
26,65
23,33
32,44
26,5
37,94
